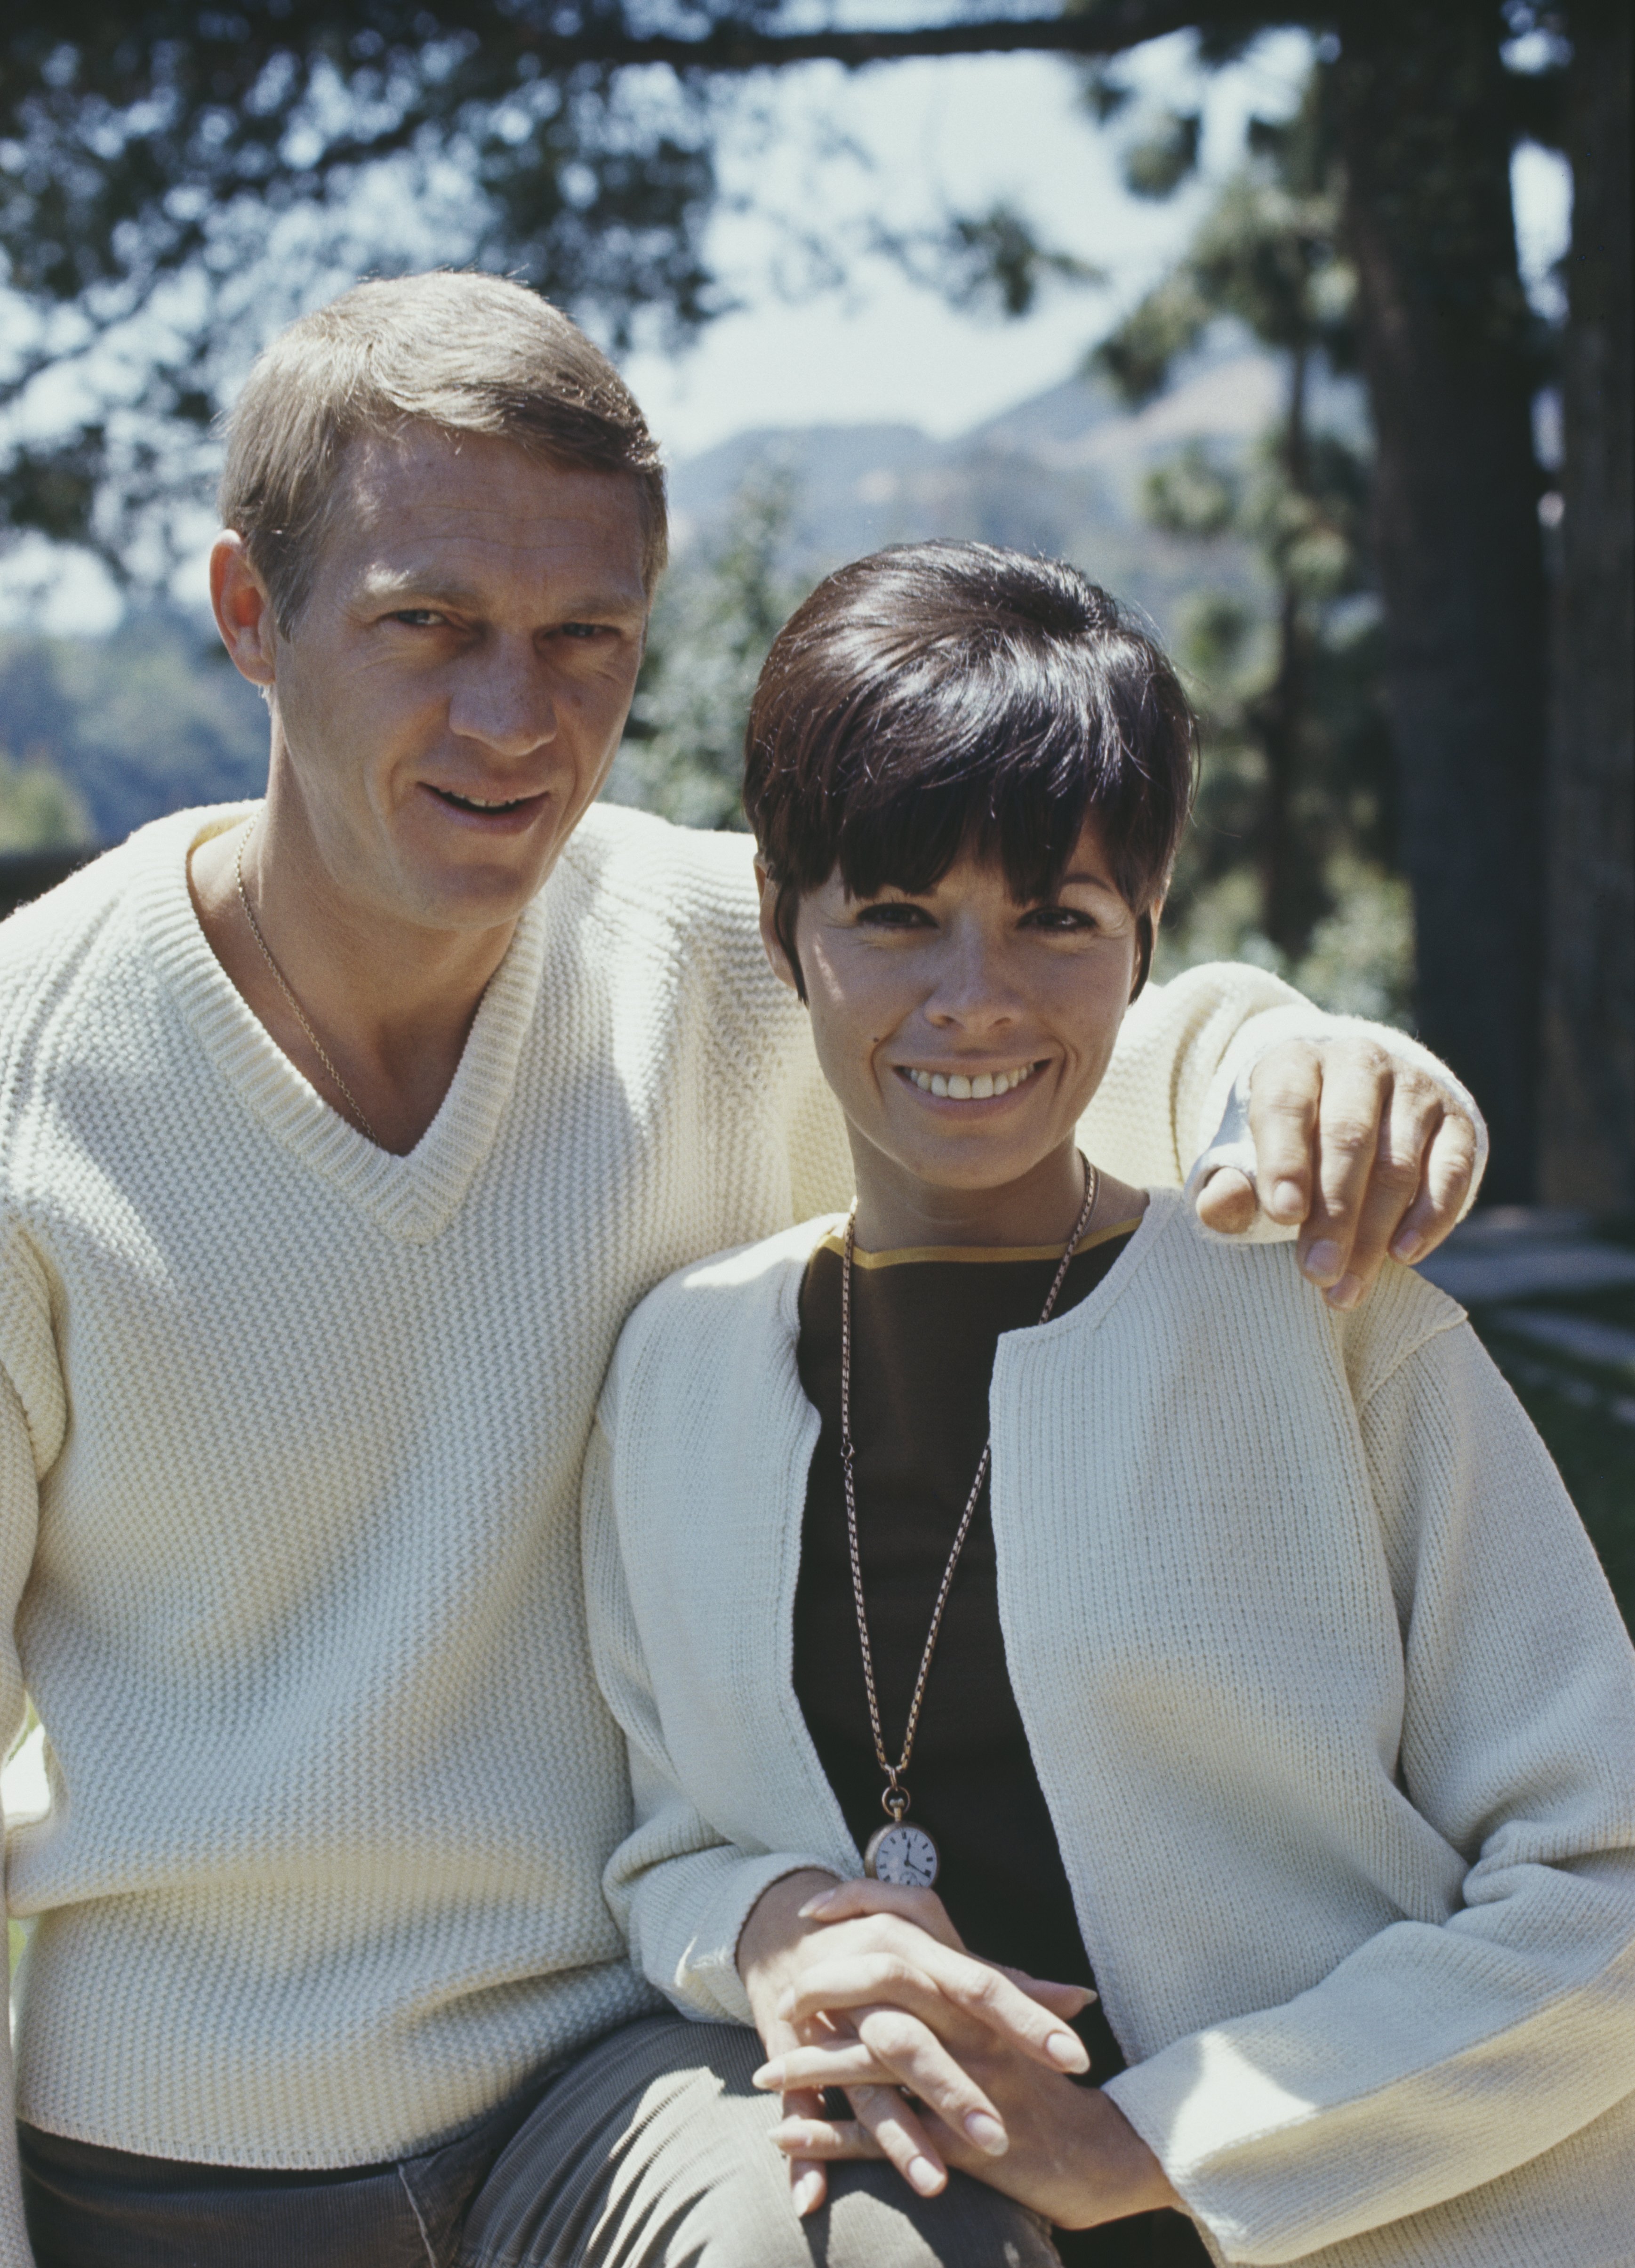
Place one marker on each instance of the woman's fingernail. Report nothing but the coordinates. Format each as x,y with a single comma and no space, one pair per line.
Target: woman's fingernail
1288,1201
927,2175
807,2194
1322,1260
1407,1246
1346,1293
988,2136
1066,2051
813,1906
771,2078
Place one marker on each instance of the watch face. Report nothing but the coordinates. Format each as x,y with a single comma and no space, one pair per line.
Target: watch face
902,1854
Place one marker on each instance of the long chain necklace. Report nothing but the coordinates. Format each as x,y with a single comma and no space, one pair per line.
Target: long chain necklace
299,1013
898,1852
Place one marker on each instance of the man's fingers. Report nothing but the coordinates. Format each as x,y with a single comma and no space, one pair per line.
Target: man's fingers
1227,1203
1285,1093
1447,1171
1356,1080
1406,1133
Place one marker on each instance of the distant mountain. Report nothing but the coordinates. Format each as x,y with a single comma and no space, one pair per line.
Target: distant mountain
146,721
154,716
1061,473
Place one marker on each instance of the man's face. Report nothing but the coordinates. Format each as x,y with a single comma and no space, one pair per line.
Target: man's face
451,698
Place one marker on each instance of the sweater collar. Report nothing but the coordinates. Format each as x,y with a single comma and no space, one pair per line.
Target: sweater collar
412,1197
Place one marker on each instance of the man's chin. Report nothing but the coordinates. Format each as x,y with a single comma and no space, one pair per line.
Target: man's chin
475,877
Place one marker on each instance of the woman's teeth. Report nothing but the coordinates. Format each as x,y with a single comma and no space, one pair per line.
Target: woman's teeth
961,1089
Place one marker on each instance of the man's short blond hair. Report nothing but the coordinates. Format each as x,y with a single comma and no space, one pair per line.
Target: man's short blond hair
469,353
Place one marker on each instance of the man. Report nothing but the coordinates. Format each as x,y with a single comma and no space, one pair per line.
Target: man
340,1134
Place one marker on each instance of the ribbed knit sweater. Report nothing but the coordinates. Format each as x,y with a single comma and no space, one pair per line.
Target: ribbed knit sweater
290,1439
1331,1706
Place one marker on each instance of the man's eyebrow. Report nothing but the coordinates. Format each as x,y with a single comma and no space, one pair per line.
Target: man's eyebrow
430,588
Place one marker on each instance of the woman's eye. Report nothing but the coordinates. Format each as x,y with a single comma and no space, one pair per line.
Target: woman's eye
1059,921
893,913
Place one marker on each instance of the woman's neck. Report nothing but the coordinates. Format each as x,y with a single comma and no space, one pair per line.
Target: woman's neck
898,1210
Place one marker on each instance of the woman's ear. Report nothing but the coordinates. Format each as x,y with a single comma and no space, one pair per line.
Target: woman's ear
772,938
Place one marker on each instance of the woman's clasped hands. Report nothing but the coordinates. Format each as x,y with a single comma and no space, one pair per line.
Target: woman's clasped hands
945,2059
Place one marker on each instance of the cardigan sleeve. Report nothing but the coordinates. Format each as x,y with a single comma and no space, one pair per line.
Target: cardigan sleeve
1174,1104
679,1891
1449,2049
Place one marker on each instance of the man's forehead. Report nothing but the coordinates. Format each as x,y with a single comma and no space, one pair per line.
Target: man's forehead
466,508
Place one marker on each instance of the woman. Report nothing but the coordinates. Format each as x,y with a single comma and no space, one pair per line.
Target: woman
1238,1657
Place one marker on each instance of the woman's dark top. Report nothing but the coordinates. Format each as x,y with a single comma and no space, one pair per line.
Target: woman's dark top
925,1328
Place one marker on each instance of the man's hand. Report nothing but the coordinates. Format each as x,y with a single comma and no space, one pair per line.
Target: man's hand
898,1958
938,2077
1364,1152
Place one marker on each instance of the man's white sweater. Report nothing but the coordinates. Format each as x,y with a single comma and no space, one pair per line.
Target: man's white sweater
290,1437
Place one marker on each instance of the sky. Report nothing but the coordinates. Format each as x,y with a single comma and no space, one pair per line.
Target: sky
960,134
907,143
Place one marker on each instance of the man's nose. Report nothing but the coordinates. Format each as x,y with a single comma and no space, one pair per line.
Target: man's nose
503,699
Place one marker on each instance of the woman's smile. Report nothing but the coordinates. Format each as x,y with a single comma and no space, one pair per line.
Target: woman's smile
967,1085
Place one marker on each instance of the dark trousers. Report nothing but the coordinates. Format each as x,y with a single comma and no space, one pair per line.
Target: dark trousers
650,2150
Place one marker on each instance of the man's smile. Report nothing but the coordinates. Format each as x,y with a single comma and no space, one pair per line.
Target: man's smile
493,813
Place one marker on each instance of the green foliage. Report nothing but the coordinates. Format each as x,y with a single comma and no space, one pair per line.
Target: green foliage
40,809
1165,156
714,622
148,720
1292,860
177,181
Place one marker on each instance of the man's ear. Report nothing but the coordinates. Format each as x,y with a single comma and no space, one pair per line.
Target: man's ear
243,610
771,940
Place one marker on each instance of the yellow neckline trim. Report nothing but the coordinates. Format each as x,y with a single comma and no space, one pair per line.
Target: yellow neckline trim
835,1242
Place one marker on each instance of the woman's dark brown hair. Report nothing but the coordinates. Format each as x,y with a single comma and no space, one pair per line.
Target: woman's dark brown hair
940,697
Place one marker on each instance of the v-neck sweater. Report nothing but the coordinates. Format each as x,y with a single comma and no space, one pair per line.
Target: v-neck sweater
1329,1701
291,1431
290,1438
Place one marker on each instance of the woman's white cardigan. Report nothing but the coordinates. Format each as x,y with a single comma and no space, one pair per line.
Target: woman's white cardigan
1332,1708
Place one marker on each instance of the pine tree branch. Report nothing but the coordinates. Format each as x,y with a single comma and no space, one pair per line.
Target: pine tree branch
1096,30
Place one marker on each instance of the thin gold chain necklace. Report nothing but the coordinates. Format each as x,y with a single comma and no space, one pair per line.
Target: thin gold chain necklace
296,1009
898,1852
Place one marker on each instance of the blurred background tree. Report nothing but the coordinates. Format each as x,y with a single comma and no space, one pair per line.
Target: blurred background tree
176,179
717,613
1293,857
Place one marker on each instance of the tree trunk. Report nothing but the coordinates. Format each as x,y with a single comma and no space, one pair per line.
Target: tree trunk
1445,348
1285,887
1590,1026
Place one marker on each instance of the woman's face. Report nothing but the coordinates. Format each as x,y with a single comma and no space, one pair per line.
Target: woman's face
963,1033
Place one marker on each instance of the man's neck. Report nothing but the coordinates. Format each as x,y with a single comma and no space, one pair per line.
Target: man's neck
391,1002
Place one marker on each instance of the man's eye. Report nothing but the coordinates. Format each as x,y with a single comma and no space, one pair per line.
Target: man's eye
419,618
584,629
